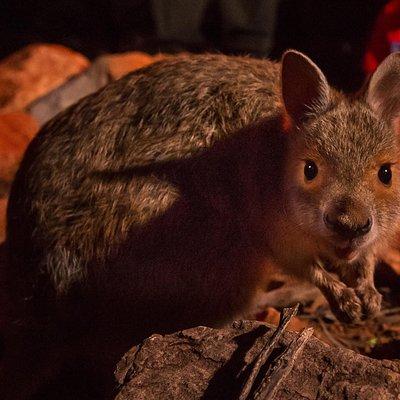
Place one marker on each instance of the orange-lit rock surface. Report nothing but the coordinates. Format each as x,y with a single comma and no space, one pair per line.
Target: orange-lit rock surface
16,131
34,71
70,92
122,63
3,208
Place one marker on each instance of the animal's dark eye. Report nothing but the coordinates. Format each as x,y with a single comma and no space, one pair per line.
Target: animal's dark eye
385,174
310,170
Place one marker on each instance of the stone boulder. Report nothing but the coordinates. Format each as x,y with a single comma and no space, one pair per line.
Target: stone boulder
83,84
3,209
122,63
34,71
16,131
204,363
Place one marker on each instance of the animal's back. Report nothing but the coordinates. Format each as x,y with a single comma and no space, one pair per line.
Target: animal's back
68,207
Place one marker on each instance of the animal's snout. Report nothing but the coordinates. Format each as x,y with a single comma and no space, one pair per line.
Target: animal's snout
346,226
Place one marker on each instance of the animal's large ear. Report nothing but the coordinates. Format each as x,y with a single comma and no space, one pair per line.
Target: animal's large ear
305,90
383,94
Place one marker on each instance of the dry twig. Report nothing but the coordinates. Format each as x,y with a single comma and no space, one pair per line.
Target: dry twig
286,316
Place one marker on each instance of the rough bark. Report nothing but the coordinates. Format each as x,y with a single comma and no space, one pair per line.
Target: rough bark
205,363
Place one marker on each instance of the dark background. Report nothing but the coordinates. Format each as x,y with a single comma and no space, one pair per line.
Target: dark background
333,33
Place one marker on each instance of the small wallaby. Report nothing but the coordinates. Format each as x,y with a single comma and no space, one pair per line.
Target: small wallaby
159,203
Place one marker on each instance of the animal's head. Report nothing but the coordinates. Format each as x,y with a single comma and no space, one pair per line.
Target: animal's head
342,173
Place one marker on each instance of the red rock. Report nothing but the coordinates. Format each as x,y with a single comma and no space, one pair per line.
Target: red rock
3,209
34,71
122,63
16,131
83,84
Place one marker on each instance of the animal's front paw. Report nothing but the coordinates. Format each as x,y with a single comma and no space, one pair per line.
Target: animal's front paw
371,300
347,306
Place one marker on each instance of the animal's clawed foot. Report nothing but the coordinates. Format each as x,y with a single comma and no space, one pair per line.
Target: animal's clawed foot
346,306
355,305
371,301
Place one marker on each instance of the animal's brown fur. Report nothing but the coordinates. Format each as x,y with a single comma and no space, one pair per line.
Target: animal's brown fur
159,202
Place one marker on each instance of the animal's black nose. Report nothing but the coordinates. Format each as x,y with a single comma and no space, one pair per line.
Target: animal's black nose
344,226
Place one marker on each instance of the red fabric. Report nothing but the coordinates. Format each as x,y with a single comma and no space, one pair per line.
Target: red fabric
385,37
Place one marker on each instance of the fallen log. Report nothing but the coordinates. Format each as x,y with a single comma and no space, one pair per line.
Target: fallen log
205,363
